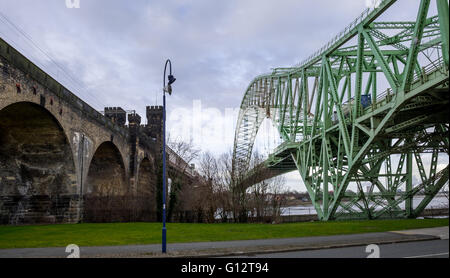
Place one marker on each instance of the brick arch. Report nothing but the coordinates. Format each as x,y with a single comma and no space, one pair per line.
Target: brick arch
38,181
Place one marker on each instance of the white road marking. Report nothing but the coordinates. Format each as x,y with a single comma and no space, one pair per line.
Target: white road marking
430,255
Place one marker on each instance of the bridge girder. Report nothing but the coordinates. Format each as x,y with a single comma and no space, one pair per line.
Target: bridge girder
338,127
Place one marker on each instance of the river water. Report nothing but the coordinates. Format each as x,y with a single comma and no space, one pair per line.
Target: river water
436,202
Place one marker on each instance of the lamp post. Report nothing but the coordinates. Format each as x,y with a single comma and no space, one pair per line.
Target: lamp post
167,89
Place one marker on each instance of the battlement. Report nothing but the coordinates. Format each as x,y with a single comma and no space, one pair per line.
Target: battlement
154,122
154,108
154,111
116,114
134,119
114,109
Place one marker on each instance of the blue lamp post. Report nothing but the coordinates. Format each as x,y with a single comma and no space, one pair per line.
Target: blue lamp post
167,89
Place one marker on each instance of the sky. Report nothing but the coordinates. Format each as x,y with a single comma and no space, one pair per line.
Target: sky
112,53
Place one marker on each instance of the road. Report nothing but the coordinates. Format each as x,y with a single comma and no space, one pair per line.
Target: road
417,249
429,241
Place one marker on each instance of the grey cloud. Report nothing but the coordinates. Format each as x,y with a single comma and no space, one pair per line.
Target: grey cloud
117,48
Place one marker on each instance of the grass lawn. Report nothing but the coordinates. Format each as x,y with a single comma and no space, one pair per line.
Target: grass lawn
100,234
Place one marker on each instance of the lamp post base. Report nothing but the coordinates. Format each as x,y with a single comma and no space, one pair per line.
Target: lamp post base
164,245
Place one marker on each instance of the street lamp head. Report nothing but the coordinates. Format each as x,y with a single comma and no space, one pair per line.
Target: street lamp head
171,79
168,89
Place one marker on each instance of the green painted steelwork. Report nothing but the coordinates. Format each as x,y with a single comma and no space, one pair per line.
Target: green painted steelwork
364,110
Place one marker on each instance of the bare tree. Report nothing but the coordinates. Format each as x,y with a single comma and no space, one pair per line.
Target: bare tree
223,195
224,186
209,169
258,192
277,197
259,200
267,196
230,195
180,155
238,192
184,153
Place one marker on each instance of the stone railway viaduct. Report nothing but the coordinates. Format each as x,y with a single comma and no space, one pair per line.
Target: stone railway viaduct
59,156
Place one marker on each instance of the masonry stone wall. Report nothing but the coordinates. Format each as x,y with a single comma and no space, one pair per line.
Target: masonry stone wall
48,138
61,161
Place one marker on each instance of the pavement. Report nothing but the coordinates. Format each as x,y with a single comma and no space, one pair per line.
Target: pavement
441,232
234,248
413,249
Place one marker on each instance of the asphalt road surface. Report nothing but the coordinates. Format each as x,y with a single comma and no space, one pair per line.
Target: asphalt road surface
418,249
422,242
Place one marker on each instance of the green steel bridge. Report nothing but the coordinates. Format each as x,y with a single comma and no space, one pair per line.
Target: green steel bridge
363,111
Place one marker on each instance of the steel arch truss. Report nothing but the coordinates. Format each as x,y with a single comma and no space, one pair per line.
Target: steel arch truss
362,111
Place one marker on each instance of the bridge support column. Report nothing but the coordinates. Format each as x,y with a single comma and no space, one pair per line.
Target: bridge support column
408,189
134,121
325,184
442,7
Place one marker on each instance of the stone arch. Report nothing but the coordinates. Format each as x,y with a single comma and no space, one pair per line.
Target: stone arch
146,191
106,192
106,175
146,177
38,181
